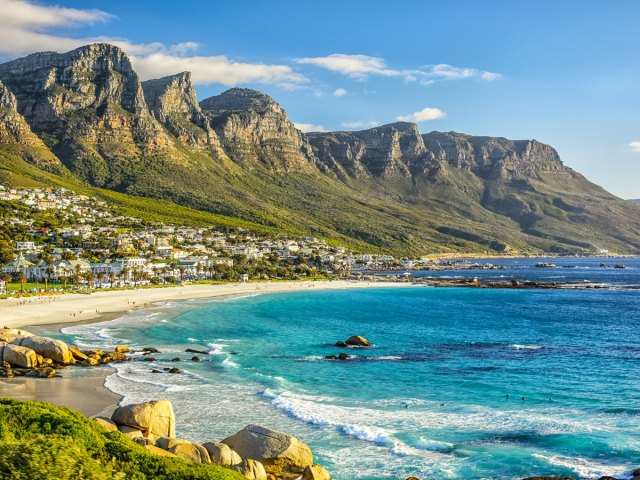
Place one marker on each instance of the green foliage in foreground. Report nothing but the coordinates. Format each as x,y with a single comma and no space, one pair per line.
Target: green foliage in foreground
40,441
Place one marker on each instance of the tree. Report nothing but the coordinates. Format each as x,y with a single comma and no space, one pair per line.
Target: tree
6,252
22,279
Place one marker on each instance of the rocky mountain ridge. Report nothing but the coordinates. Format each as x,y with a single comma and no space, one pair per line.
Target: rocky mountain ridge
238,154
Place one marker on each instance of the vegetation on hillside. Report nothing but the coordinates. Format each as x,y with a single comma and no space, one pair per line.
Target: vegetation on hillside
40,441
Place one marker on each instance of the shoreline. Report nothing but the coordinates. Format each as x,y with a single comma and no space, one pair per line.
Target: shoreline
87,395
101,306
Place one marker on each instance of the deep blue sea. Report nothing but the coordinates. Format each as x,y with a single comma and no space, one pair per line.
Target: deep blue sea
460,384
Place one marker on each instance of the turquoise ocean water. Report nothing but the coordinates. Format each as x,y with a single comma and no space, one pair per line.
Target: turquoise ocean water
430,398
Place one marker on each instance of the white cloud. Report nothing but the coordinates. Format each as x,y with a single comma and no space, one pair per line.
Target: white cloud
339,92
360,124
362,66
217,69
448,72
355,66
423,115
309,127
24,28
634,147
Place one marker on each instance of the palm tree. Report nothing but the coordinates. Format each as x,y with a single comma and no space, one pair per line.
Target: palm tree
124,273
100,277
112,277
181,270
165,272
22,278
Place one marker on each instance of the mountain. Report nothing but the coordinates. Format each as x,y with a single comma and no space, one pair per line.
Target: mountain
85,116
635,201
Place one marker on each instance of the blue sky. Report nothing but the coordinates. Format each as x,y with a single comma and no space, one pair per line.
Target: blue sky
563,72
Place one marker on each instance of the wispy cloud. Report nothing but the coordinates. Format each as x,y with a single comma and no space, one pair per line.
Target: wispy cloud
339,92
309,127
361,67
360,124
424,115
25,28
634,147
355,66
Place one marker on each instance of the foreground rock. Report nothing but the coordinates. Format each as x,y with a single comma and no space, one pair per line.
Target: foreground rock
221,454
315,472
251,469
256,452
156,418
283,455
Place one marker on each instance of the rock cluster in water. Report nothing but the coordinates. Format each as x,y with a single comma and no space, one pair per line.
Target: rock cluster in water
256,452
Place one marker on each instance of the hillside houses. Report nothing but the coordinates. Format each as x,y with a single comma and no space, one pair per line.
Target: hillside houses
59,236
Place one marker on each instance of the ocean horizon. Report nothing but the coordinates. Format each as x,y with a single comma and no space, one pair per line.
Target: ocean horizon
459,383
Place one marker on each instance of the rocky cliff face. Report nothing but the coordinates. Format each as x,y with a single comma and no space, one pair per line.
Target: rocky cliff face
172,101
14,130
492,157
395,150
16,135
88,105
399,150
252,128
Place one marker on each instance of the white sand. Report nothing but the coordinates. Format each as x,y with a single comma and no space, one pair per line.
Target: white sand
69,308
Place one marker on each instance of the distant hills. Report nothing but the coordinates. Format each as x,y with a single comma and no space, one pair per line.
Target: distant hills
85,117
636,201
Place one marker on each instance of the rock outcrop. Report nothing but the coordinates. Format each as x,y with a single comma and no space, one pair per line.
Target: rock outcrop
221,454
283,455
17,356
172,101
388,151
51,348
254,129
16,135
155,418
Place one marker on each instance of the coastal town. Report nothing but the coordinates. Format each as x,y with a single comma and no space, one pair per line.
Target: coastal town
54,239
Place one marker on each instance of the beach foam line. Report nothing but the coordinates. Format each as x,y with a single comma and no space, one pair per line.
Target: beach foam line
526,347
584,468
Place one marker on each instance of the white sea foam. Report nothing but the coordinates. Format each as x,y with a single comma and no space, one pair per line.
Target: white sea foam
227,362
216,348
526,347
367,433
583,467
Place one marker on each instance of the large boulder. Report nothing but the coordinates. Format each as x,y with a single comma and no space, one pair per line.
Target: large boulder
9,334
107,424
283,455
315,472
251,469
166,442
18,356
221,454
158,451
191,452
130,432
51,348
358,341
154,417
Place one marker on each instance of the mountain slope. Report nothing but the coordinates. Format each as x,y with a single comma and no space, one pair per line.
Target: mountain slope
237,154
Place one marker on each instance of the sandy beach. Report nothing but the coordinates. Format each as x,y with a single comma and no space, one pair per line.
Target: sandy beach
73,308
86,395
